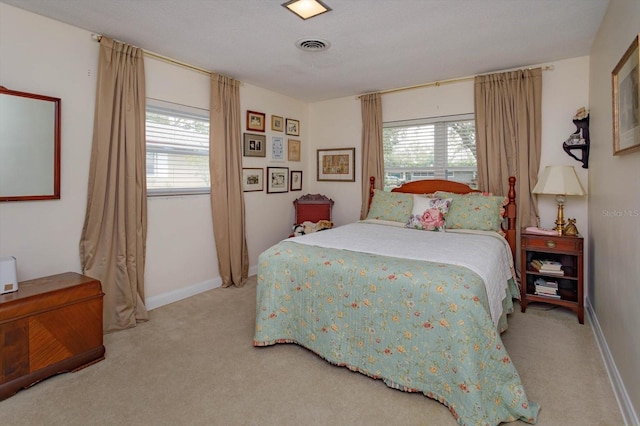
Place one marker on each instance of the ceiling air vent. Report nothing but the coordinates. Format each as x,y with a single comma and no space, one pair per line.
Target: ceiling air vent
312,44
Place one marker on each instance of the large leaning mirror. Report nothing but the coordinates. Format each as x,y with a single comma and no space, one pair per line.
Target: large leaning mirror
29,146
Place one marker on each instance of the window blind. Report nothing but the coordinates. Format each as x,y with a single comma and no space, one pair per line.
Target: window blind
435,148
177,141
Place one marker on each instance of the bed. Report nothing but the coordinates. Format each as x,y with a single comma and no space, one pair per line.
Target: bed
392,299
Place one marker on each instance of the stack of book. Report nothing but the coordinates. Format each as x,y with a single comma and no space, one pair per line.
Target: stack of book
546,288
551,267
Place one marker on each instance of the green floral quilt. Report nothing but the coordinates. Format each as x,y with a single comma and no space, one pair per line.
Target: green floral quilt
419,326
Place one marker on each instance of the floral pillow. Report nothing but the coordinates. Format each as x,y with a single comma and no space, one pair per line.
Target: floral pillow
394,206
475,211
428,213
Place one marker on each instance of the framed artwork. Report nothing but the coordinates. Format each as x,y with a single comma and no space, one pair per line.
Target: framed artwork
626,99
296,180
277,123
252,179
292,127
255,121
293,150
277,148
254,145
337,165
277,179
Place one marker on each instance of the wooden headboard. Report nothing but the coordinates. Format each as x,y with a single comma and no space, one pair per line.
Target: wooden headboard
429,186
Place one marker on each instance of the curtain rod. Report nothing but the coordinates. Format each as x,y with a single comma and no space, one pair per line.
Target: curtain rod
163,58
436,83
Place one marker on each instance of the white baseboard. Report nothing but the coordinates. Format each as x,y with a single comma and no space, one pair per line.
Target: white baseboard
182,293
176,295
626,407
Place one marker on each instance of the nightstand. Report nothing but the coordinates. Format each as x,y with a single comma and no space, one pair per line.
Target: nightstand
552,271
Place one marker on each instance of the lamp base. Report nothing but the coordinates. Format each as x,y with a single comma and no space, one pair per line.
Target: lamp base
560,219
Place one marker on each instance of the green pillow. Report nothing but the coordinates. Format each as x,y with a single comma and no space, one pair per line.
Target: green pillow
474,211
393,206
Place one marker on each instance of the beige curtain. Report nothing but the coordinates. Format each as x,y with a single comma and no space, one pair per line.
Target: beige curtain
112,244
227,198
508,130
372,152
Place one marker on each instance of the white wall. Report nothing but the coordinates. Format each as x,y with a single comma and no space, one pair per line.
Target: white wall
614,214
45,56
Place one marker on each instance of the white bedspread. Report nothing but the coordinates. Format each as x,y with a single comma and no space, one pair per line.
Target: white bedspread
486,253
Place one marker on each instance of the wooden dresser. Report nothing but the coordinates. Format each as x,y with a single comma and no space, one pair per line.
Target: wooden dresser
50,325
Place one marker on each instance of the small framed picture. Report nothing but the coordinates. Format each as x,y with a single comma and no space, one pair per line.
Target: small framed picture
252,179
626,107
336,165
255,121
277,148
277,179
277,123
254,145
296,180
293,127
293,150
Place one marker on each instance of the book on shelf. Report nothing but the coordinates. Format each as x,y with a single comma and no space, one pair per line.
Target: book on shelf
547,265
546,288
551,296
538,267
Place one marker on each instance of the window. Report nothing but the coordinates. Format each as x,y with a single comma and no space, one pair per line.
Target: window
435,148
177,149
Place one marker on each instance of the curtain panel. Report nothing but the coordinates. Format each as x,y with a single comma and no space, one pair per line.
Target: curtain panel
508,135
227,198
372,150
113,240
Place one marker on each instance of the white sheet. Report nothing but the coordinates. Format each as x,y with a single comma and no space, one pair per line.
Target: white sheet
472,250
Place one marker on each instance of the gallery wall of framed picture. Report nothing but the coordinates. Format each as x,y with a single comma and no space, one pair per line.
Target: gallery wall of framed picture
267,137
295,181
277,179
252,179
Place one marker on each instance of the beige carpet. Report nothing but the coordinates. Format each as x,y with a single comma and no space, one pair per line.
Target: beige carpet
193,363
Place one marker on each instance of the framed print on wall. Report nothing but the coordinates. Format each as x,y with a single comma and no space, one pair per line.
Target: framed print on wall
277,179
277,123
293,150
277,148
337,165
254,145
296,180
292,127
255,121
626,99
252,179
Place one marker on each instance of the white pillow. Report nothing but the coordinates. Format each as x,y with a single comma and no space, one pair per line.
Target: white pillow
428,213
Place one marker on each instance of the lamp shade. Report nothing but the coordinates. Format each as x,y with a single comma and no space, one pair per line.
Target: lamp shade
559,180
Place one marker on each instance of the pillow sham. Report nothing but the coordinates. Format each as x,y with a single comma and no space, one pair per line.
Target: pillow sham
393,206
428,213
474,211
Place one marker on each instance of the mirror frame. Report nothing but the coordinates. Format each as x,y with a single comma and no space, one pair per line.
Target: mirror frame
56,147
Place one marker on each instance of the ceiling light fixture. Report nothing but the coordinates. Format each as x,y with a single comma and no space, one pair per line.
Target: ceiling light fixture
306,8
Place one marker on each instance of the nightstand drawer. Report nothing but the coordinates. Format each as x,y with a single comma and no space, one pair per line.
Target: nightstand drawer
551,243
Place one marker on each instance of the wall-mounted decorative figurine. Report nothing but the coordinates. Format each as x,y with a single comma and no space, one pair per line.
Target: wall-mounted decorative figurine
579,140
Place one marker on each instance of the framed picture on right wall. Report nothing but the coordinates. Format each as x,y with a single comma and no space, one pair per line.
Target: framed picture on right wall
336,165
626,101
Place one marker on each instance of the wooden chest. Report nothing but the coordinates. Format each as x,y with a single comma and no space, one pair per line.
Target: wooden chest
50,325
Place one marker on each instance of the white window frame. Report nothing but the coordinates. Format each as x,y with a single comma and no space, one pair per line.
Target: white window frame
162,146
439,169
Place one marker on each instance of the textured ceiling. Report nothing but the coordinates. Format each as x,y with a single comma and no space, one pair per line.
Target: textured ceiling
375,44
